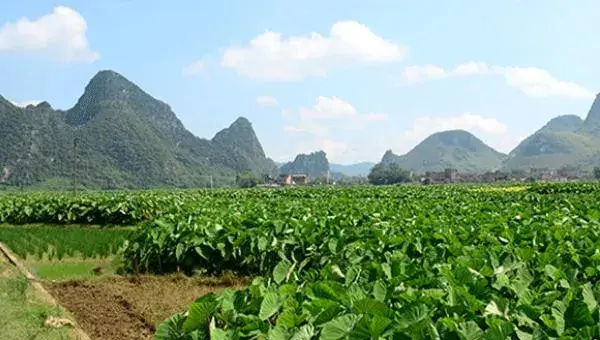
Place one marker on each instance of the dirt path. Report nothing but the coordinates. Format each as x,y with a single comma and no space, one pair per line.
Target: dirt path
129,308
27,310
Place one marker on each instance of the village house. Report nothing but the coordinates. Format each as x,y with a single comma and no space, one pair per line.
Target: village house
296,179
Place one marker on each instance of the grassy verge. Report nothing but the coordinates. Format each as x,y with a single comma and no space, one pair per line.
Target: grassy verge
70,269
58,253
23,311
58,242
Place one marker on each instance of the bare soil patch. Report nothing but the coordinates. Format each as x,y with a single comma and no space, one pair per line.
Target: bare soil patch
130,307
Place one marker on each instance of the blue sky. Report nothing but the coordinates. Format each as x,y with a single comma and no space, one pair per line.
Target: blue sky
353,78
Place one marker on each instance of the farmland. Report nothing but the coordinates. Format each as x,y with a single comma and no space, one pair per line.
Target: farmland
447,262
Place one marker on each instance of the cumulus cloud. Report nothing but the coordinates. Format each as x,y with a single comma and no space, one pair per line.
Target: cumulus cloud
536,82
194,68
416,74
320,127
327,108
333,147
532,81
266,101
332,111
471,68
61,34
271,56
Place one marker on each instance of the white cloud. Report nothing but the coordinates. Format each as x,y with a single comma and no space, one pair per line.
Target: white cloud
61,34
26,103
266,101
194,68
330,110
332,124
417,74
270,56
471,68
536,82
334,148
327,108
532,81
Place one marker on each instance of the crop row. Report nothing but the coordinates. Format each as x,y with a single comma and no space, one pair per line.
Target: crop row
100,208
51,242
362,263
402,263
133,207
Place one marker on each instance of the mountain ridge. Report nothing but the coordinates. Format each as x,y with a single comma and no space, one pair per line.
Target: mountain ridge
314,165
457,149
565,140
118,136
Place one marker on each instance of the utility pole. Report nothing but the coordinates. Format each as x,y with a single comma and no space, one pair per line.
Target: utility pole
211,181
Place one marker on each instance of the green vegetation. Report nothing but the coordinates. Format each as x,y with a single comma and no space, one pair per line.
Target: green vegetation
389,262
99,208
53,242
558,143
70,268
247,180
118,136
565,140
314,165
388,174
22,311
393,262
455,149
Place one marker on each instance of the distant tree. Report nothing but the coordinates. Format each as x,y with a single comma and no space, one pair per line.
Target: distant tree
500,176
397,174
377,175
352,180
597,172
321,180
518,174
247,180
388,174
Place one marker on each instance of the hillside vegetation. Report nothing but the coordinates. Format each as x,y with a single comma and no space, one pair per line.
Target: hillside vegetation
314,165
456,149
118,136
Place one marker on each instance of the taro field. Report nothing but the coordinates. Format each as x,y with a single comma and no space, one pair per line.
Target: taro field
402,262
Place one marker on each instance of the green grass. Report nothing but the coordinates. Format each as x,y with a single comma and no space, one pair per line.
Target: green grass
69,269
22,312
59,253
47,242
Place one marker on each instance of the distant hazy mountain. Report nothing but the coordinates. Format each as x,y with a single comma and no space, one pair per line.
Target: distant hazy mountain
118,136
456,149
357,169
314,165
